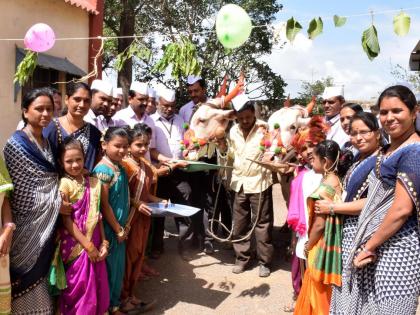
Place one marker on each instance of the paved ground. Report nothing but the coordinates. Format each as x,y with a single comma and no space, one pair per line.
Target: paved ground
206,285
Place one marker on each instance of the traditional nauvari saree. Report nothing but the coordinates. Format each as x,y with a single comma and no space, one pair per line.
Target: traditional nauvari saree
324,259
35,203
140,177
87,289
5,289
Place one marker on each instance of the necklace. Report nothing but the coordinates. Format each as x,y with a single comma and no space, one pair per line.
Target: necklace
80,186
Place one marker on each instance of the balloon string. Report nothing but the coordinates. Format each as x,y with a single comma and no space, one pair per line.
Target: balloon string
213,31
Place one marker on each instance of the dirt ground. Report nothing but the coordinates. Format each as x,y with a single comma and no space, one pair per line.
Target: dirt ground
205,284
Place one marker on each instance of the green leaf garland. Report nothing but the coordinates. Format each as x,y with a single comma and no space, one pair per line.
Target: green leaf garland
292,29
315,27
370,42
339,20
402,24
26,67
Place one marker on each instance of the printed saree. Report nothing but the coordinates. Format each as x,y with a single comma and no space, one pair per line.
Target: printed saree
5,289
87,289
324,259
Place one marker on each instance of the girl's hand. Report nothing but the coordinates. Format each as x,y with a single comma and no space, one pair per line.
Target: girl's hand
364,257
145,209
103,252
92,252
5,240
322,206
66,208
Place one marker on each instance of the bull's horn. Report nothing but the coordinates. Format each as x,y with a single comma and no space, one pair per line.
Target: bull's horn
287,102
239,88
222,91
311,105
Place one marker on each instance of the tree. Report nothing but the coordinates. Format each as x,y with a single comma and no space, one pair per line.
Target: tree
412,77
310,89
162,21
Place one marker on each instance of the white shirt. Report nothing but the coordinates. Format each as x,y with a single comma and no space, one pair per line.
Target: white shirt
127,117
310,182
98,121
186,111
336,132
169,134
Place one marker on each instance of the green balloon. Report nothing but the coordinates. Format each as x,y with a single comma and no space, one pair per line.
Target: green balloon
233,26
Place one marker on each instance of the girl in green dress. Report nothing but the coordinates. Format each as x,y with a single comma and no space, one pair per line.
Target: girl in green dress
114,207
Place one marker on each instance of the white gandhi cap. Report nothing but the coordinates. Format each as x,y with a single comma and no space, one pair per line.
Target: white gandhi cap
151,92
102,86
239,101
167,94
332,91
139,87
191,79
117,91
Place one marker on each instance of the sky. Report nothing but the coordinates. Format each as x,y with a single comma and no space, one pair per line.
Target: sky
338,52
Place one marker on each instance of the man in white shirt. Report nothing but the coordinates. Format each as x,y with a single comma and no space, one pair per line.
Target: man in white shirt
198,94
119,98
333,99
101,100
135,113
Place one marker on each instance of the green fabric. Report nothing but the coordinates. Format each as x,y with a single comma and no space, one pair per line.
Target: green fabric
5,180
57,274
194,166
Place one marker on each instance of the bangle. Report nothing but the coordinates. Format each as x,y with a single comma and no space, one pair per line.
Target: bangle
370,253
121,232
90,248
10,225
105,244
331,208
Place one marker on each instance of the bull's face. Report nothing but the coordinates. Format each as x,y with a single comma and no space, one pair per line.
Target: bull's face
290,120
209,122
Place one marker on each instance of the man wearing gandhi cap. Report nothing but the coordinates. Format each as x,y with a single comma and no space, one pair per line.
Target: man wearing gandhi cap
333,99
197,92
252,185
101,100
151,103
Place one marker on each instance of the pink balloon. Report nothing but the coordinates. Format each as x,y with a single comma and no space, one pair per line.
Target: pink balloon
39,38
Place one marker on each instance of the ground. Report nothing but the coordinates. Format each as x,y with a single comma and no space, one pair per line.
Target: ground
206,285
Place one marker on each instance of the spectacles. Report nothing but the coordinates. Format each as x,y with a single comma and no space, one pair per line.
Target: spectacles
328,101
363,133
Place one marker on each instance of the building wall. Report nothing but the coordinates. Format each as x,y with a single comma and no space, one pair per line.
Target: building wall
16,17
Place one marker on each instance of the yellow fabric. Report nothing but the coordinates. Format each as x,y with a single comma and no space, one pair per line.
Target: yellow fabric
252,177
5,288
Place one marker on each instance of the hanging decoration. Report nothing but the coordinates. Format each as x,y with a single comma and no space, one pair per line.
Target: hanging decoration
402,24
136,49
339,20
315,28
39,38
292,29
233,26
26,67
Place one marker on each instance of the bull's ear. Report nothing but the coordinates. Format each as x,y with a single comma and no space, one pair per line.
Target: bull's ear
229,114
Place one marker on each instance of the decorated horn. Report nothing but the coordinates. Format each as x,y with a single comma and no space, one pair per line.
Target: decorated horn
239,88
222,91
311,105
287,102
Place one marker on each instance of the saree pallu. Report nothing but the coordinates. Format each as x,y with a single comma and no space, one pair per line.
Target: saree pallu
390,285
35,203
118,199
5,289
87,289
324,260
140,177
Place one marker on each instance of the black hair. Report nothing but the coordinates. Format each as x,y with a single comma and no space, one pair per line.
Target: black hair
403,93
330,150
112,132
31,96
140,130
70,143
201,82
247,106
72,88
55,91
368,119
353,106
132,93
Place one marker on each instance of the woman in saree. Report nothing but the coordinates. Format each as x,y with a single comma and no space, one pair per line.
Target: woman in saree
366,139
35,204
323,246
6,232
78,99
83,247
383,266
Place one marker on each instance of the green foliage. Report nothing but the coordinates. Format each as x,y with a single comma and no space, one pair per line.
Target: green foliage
315,27
339,20
182,56
26,67
308,89
370,42
292,29
136,49
402,24
402,74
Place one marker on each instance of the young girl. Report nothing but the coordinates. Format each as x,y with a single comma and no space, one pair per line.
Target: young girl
115,207
83,246
323,246
140,175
